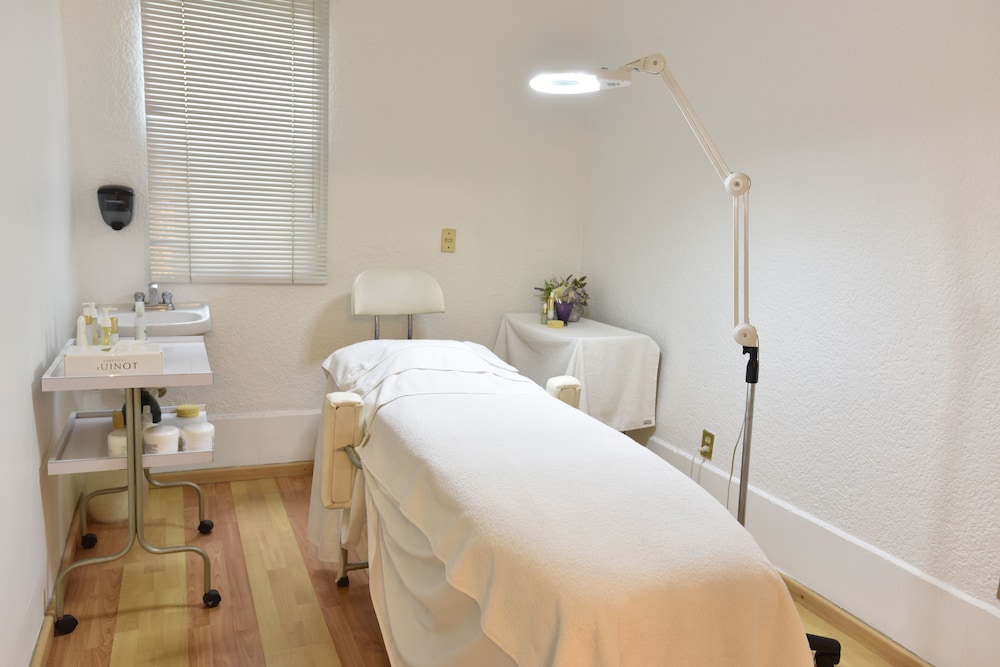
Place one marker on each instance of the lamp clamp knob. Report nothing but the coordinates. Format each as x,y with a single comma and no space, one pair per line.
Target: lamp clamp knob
737,183
746,335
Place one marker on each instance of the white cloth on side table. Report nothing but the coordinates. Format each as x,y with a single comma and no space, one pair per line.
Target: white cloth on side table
616,367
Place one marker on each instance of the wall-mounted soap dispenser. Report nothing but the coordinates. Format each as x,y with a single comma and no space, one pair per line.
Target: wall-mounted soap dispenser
115,202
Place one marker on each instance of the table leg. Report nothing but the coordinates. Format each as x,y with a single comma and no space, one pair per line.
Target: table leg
66,623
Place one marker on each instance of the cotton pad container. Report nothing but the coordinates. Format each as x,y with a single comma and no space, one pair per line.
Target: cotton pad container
197,436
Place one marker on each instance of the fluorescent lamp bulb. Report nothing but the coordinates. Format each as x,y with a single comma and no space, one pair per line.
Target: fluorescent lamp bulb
569,83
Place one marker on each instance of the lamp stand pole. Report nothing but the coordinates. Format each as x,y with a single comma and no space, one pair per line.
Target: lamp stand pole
753,366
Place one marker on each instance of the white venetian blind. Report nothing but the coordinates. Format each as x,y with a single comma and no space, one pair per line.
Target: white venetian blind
236,121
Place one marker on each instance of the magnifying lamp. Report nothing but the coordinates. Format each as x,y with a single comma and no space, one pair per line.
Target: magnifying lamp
737,184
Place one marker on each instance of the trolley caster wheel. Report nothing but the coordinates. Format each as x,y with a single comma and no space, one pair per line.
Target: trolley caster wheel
206,526
88,541
65,624
211,598
343,582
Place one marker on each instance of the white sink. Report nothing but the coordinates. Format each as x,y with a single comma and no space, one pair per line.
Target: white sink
186,319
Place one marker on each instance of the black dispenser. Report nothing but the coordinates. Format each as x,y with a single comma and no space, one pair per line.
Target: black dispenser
115,202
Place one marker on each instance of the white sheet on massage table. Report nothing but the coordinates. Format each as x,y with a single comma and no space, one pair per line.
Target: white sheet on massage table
329,529
579,546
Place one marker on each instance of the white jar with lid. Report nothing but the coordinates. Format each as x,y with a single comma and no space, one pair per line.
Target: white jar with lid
117,438
198,437
160,439
188,413
117,443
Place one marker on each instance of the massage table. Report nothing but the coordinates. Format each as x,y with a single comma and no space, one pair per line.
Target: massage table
505,527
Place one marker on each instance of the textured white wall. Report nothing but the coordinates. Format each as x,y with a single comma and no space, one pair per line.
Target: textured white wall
432,127
870,133
37,275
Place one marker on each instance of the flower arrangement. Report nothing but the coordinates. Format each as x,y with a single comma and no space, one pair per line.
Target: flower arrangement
566,290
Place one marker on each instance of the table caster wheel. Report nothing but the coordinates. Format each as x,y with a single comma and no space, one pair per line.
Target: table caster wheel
343,582
88,541
206,526
212,598
65,624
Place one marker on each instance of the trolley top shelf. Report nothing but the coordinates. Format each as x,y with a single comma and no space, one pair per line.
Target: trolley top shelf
185,363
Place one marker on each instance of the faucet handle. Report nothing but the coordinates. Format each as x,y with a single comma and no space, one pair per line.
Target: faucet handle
168,299
139,296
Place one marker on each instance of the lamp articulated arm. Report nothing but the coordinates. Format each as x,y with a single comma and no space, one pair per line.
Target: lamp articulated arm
737,184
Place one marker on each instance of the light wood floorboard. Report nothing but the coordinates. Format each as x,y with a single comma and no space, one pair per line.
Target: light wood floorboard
280,604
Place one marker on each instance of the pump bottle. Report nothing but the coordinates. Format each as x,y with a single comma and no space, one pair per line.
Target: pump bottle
140,320
106,327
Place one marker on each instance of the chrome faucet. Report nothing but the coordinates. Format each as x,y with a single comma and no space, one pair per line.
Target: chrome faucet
156,301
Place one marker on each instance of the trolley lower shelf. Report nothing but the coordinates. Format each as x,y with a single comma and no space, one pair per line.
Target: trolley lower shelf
83,446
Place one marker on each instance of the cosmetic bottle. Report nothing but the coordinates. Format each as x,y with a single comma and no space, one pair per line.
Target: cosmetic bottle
552,307
105,328
545,312
88,318
140,320
114,330
117,439
81,332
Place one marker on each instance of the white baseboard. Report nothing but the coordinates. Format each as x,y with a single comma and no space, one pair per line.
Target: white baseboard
930,618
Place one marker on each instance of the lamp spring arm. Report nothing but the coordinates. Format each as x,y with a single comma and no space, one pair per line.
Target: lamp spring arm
737,184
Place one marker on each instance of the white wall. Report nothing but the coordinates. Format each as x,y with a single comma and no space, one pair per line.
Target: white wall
432,128
37,275
870,133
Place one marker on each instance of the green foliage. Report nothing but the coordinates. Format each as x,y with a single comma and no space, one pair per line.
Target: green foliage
566,290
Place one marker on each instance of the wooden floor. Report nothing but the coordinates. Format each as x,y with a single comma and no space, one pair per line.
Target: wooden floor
280,605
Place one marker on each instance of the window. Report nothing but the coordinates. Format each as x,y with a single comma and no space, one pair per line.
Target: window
236,122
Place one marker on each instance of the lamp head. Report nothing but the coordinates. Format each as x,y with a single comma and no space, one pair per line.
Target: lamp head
581,81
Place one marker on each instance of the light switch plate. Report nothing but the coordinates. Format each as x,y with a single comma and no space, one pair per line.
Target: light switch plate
447,240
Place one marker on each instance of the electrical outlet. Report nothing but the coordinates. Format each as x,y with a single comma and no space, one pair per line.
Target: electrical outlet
447,240
707,444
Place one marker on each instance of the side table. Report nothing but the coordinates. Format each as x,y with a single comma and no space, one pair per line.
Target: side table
617,368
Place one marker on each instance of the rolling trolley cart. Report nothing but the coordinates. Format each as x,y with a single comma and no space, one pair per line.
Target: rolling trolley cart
83,448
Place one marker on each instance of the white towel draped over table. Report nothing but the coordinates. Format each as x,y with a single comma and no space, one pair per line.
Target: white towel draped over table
577,546
616,367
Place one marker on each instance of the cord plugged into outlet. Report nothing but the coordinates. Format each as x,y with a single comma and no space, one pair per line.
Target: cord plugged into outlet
708,445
